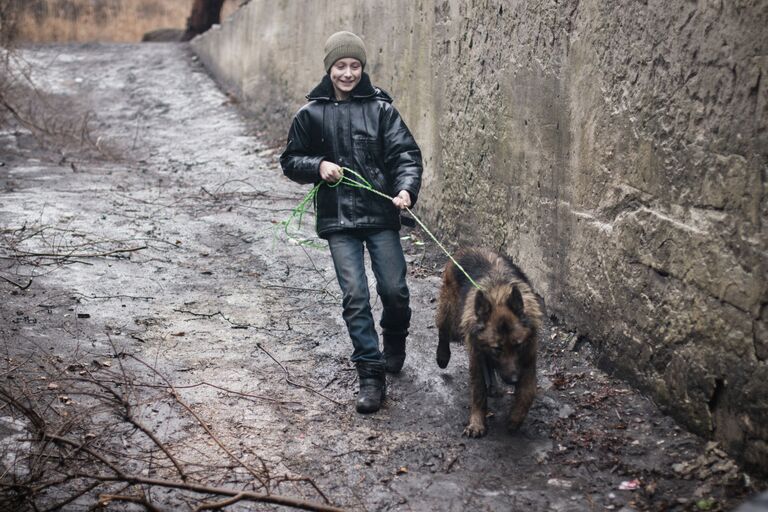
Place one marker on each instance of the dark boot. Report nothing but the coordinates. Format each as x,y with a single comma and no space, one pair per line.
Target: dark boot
394,352
373,387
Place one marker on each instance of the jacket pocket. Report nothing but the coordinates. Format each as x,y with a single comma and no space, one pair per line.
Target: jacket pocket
368,153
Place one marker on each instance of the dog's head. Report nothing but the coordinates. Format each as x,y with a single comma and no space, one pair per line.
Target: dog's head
502,330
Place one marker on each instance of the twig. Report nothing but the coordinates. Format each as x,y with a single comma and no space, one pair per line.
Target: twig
213,436
211,315
24,287
275,499
294,288
361,450
289,381
120,476
240,393
182,386
307,480
25,254
206,315
60,505
104,500
220,504
218,313
133,297
147,432
31,415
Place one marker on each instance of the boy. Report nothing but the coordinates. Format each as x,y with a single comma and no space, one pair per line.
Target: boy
349,123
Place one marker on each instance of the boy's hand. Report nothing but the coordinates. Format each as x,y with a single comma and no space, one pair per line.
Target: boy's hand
330,172
402,200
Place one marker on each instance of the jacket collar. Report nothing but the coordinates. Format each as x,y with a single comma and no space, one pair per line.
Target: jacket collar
324,90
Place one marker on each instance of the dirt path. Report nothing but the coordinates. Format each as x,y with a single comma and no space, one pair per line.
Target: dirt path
163,246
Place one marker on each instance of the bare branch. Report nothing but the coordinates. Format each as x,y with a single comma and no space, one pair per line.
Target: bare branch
60,505
104,500
275,499
14,283
25,254
296,384
205,427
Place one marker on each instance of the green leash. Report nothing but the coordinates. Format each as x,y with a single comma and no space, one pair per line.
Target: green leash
360,182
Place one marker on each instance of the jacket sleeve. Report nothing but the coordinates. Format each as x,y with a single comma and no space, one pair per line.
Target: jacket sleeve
297,160
401,153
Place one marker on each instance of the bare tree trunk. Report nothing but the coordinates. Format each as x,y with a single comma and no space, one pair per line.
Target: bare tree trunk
205,14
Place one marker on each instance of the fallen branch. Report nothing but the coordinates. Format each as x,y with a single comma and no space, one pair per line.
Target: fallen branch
133,297
60,505
293,288
105,499
217,313
129,478
361,450
31,414
23,287
25,254
205,426
186,386
130,418
275,499
305,480
289,381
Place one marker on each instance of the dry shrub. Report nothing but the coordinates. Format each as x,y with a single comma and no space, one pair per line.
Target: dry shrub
61,127
8,14
80,434
9,10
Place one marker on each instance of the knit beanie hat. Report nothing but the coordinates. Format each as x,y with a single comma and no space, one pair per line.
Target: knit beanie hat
341,45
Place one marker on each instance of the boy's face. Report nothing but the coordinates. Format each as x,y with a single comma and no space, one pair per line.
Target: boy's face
345,75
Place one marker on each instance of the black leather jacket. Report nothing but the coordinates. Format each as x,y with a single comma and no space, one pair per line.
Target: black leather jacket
365,134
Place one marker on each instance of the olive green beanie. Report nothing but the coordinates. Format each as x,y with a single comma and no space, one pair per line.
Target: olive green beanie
341,45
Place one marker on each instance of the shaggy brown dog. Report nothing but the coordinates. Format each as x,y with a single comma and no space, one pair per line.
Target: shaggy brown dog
499,324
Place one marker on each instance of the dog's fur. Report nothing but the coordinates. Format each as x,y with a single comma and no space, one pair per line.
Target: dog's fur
499,325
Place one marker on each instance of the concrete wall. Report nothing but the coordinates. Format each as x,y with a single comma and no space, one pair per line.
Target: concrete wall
616,149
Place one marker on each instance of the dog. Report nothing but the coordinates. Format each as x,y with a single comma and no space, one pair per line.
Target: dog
499,323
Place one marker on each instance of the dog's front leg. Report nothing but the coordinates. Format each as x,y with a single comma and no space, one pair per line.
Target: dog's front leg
443,344
445,321
478,397
525,392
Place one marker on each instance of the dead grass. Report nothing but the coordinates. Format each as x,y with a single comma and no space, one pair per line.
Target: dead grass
46,21
8,15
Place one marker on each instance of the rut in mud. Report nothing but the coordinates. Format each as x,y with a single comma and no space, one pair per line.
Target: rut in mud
166,303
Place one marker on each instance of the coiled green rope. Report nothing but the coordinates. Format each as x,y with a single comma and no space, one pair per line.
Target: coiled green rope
359,182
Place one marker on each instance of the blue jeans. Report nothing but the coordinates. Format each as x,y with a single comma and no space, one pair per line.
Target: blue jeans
388,265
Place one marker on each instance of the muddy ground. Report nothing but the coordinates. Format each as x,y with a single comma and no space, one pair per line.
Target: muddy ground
163,298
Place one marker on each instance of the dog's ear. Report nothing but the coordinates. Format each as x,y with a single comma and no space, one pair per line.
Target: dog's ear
515,302
482,306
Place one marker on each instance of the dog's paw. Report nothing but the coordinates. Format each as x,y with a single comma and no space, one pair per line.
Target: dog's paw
515,422
474,430
443,358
